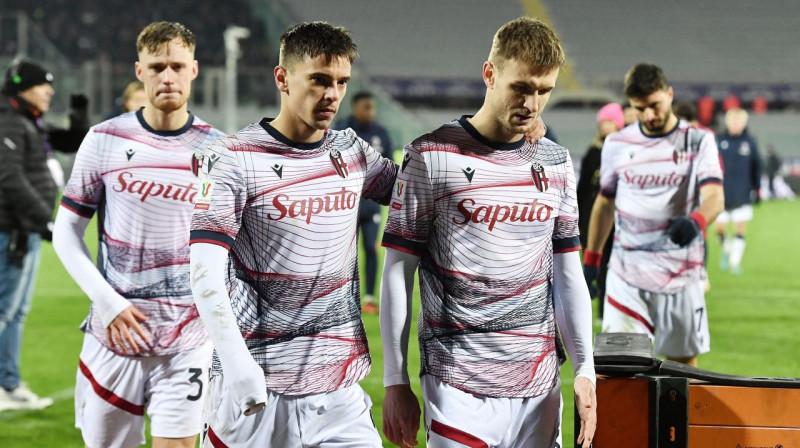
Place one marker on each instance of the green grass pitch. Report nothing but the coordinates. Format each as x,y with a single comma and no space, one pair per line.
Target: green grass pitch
754,321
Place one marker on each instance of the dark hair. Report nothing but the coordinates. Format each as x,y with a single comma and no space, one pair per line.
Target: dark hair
362,95
644,79
314,39
156,34
685,110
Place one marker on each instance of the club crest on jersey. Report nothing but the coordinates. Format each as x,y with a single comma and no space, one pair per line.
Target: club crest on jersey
339,165
540,179
744,149
197,163
406,159
679,155
203,201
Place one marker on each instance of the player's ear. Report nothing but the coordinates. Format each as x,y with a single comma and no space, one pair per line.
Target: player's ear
138,70
195,69
280,79
489,73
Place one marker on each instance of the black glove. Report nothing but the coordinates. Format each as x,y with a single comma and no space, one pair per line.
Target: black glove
78,102
683,229
17,247
591,273
47,232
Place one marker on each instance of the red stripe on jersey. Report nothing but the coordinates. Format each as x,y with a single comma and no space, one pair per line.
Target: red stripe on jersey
625,310
566,249
85,215
457,435
401,249
110,396
215,442
480,187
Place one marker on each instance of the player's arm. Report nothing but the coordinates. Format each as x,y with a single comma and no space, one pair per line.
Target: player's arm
243,376
117,314
573,312
401,411
712,202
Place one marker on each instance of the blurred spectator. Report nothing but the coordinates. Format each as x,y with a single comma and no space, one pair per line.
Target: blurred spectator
610,119
133,98
27,196
629,114
731,102
742,164
773,167
706,108
362,121
760,105
688,112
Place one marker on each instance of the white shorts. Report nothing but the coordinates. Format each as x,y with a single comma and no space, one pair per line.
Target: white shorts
338,419
454,418
743,213
112,393
677,322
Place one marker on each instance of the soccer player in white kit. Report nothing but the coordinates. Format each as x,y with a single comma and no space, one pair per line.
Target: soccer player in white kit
145,348
661,179
274,259
491,221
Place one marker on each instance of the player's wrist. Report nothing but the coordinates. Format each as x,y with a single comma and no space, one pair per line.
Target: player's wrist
700,220
591,258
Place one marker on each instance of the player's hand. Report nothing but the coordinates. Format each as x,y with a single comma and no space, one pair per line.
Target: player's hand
78,102
586,402
247,386
401,414
537,131
120,331
682,230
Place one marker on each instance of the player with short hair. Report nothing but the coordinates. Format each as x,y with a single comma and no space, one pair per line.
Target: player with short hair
662,182
144,349
274,260
742,162
491,221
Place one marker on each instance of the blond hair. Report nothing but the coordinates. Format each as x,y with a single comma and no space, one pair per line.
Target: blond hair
529,41
156,34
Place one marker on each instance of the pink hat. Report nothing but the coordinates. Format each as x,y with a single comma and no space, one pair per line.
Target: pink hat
611,112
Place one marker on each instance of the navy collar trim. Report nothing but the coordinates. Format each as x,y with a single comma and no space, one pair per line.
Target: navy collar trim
172,133
265,123
494,145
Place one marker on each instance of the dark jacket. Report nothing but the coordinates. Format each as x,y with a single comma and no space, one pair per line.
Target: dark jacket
742,164
27,190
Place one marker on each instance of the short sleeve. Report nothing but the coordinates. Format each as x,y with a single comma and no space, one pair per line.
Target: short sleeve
380,176
85,189
221,197
411,208
608,169
709,169
565,227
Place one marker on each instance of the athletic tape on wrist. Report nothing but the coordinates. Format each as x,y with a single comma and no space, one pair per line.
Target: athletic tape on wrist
592,258
700,220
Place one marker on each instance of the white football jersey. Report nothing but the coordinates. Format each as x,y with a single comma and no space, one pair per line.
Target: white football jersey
485,219
288,212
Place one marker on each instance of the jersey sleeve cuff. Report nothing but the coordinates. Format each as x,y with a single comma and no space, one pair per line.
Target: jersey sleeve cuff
710,181
564,245
403,245
206,236
394,380
608,193
77,208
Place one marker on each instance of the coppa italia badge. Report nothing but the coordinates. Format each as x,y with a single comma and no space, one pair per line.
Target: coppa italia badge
337,159
540,180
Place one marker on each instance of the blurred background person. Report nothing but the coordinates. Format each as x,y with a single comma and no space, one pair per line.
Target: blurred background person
772,168
610,118
363,122
629,114
742,164
27,196
133,98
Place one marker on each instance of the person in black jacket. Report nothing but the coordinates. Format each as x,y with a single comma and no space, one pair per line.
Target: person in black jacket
29,176
610,118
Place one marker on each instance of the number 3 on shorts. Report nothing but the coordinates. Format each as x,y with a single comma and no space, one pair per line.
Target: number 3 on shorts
195,378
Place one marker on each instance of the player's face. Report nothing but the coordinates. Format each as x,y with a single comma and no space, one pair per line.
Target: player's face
38,96
364,110
519,94
167,75
654,111
313,89
735,124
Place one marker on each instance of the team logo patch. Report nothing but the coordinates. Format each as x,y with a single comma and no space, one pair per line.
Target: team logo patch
197,163
540,179
399,187
406,159
679,155
129,153
203,201
339,165
278,169
744,149
468,172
